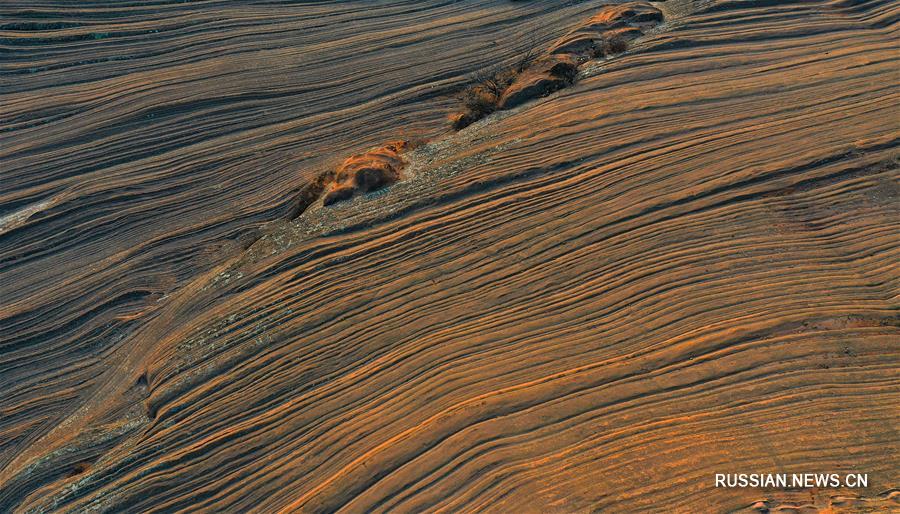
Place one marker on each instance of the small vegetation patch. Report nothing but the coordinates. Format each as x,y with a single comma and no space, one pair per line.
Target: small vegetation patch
486,89
612,45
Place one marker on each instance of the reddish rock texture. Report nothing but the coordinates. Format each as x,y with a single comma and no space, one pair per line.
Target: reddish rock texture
605,33
683,264
623,21
548,74
366,172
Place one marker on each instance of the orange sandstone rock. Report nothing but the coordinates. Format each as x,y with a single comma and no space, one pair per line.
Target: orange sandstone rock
367,172
548,74
625,21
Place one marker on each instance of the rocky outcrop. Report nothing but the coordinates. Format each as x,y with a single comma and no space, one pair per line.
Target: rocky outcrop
686,267
605,33
623,22
366,172
548,74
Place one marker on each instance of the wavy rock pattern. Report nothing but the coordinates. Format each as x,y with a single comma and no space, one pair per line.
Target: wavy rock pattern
144,143
684,264
626,21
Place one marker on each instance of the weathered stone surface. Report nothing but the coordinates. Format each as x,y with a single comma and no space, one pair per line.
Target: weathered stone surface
366,172
547,75
627,21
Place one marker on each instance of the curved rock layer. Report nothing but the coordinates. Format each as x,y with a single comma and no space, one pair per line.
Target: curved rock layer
367,172
685,264
142,143
627,21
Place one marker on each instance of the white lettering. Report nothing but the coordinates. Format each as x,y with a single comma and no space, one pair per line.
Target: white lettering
793,480
857,480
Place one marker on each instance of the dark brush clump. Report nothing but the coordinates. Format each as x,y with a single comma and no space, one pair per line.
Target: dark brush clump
486,89
610,46
615,45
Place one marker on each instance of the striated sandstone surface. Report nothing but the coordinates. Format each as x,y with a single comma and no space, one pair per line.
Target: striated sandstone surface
684,264
366,172
627,21
547,75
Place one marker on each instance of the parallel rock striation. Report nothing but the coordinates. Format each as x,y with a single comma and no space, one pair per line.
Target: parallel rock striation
144,143
684,264
626,21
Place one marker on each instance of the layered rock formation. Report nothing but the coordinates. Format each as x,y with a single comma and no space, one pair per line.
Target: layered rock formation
625,21
366,172
604,34
683,264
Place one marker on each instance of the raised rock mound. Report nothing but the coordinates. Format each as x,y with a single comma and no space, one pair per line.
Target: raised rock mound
366,172
605,33
593,305
548,74
623,21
